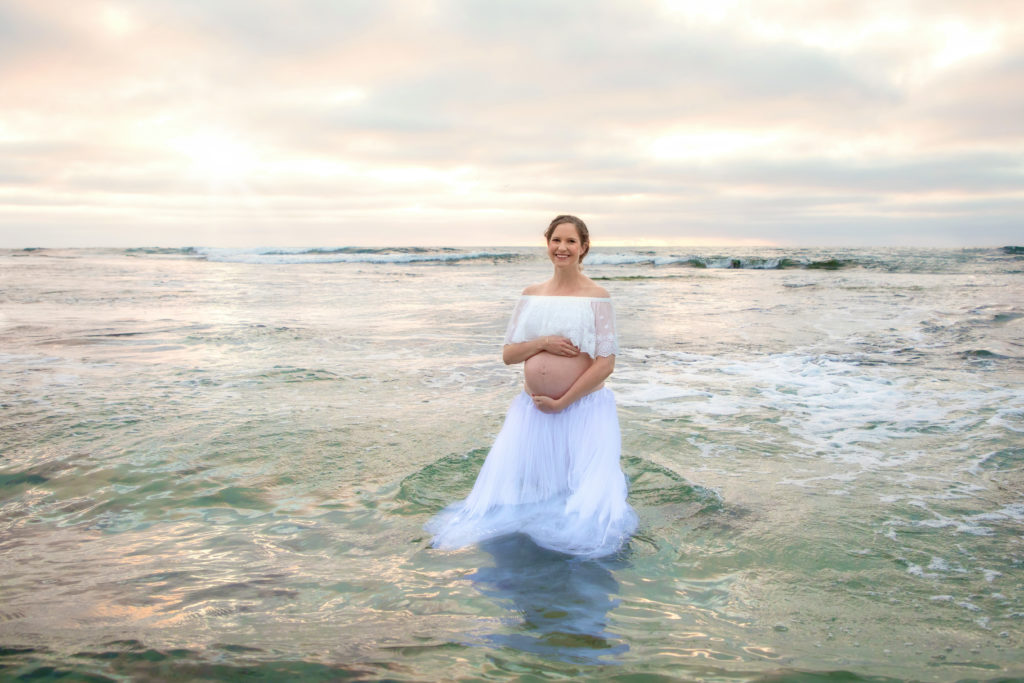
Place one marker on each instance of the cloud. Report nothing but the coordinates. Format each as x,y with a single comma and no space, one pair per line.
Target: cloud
745,119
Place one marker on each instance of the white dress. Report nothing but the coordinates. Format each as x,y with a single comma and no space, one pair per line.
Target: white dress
555,477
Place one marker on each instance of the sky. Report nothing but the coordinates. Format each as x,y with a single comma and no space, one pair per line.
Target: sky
474,122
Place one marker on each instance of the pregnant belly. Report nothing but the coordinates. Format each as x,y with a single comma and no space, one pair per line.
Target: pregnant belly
551,375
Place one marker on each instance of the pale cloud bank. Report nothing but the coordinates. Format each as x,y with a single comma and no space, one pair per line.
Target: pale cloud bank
316,122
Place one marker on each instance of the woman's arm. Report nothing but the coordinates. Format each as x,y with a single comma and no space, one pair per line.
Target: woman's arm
597,373
517,353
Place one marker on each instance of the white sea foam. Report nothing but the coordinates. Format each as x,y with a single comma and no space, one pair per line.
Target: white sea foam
1012,416
281,256
832,407
977,467
941,565
597,259
918,571
1012,512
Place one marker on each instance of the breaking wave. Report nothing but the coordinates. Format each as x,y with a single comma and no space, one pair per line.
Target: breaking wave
751,263
349,255
634,262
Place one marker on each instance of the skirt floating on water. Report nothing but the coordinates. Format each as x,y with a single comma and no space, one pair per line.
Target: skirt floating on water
555,477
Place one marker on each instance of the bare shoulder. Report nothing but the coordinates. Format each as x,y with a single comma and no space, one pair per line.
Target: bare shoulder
594,290
587,288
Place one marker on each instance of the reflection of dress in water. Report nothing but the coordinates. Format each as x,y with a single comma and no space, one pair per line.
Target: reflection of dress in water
562,605
555,477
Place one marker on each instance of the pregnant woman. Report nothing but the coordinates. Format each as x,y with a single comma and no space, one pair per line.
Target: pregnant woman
553,472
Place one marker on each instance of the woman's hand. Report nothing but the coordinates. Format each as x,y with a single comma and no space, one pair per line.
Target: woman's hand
560,346
591,379
520,351
546,404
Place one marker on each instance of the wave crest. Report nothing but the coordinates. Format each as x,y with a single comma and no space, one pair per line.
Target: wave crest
349,255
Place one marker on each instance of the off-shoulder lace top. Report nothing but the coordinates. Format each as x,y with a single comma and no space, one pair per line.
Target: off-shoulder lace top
589,322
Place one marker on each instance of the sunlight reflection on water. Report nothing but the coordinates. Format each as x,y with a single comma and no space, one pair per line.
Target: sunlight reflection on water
230,462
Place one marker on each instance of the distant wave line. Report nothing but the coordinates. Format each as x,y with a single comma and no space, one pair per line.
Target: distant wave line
1007,259
347,255
717,262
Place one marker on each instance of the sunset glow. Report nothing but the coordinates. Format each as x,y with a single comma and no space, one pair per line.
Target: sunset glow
661,123
216,157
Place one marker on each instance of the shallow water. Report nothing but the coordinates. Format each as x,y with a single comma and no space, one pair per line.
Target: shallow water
218,463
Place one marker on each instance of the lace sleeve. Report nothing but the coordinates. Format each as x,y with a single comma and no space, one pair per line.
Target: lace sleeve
604,328
513,323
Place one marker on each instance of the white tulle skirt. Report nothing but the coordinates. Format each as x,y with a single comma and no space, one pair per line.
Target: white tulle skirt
555,477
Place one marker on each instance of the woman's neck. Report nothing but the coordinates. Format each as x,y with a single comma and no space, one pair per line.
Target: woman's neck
567,280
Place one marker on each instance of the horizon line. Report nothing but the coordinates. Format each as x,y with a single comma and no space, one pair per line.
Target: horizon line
641,244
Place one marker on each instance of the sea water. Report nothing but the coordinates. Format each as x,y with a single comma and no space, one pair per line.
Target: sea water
217,463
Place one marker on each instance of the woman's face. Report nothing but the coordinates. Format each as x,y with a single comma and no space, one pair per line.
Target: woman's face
564,247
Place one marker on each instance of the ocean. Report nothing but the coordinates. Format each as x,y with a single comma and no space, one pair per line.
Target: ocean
217,463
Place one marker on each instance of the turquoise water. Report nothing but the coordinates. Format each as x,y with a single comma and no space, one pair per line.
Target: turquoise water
217,463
